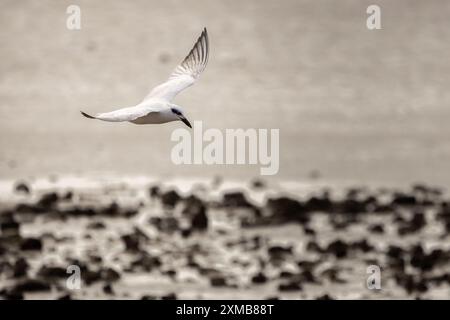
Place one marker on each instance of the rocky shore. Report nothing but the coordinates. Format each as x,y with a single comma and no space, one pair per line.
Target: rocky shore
154,241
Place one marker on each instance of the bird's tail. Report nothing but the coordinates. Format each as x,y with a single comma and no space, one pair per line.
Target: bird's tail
87,116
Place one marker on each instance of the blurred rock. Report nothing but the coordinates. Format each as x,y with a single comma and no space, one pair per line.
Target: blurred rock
376,228
20,268
286,209
403,199
258,278
96,225
107,288
145,262
235,199
48,200
22,187
131,242
8,224
290,286
324,297
258,184
169,296
412,226
52,273
165,224
31,285
195,209
339,248
170,198
154,191
31,244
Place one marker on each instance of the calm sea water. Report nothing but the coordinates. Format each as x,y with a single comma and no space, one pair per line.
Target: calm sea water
351,104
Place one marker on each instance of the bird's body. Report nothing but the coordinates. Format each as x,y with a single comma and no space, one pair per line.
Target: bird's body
156,106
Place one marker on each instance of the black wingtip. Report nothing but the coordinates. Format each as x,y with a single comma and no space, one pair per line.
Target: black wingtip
86,115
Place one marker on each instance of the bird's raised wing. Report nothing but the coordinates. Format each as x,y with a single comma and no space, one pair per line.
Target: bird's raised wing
186,73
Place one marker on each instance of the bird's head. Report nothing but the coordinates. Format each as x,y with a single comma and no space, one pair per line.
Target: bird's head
179,114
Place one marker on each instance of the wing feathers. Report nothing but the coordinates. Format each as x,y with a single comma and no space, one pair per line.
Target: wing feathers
186,73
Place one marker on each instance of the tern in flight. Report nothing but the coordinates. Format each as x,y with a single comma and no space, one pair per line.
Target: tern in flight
156,106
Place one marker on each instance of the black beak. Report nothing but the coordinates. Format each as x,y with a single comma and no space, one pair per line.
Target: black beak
186,122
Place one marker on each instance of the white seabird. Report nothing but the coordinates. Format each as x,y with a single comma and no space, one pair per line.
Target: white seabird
156,106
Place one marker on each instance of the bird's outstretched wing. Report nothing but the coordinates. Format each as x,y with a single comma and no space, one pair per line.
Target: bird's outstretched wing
186,73
125,114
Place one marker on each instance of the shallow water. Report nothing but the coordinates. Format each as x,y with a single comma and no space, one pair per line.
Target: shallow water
352,104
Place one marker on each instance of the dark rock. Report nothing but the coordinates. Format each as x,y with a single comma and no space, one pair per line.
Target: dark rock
258,184
67,196
109,275
218,281
259,278
148,297
414,225
170,296
314,247
170,198
146,262
112,210
362,245
90,276
440,279
96,225
186,232
279,252
66,296
20,268
195,209
308,276
50,272
8,224
309,231
48,200
376,228
287,209
339,248
22,187
30,208
323,204
154,191
11,294
324,297
351,206
290,286
426,262
31,244
286,274
411,283
170,273
332,274
107,289
31,285
402,199
78,211
131,242
395,252
235,199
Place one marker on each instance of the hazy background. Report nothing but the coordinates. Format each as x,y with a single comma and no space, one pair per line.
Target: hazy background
354,104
